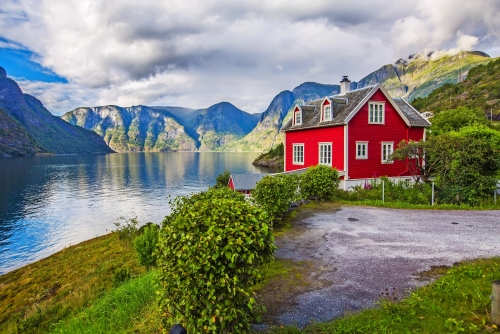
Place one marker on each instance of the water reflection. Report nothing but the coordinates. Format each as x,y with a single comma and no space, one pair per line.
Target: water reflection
47,203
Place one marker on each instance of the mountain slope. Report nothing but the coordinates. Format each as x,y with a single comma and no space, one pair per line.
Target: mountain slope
220,124
137,128
43,132
266,133
481,89
419,75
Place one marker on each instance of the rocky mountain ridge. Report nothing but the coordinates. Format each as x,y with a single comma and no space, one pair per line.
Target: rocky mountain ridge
27,127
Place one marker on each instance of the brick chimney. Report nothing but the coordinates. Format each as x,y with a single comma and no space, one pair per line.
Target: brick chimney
345,85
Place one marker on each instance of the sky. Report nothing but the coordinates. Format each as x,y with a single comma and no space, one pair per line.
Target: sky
77,53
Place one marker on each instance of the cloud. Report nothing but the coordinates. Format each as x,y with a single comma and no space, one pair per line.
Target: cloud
197,53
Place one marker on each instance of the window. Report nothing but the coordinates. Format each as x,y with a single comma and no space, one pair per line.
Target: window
376,113
298,154
298,117
327,113
387,149
325,154
361,150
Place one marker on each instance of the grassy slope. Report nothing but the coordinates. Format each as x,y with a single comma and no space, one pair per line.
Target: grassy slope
481,89
14,139
42,293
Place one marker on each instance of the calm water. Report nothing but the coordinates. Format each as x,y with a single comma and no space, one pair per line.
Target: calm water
48,203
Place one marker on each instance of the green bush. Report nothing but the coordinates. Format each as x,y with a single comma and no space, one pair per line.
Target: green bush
222,179
121,275
145,245
275,193
209,254
127,230
319,181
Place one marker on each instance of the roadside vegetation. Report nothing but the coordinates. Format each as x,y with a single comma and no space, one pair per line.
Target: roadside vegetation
274,158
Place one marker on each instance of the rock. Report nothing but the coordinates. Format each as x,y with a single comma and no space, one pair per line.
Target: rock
3,73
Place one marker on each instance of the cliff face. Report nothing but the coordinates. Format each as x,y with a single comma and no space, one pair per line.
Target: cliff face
137,128
27,127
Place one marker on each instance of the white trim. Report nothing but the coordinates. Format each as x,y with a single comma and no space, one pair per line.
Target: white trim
323,119
284,152
293,154
346,151
359,157
382,151
367,98
319,153
381,104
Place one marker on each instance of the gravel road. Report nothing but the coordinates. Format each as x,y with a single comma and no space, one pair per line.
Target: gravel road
360,252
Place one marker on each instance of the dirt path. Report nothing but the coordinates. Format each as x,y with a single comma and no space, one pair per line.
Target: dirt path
358,253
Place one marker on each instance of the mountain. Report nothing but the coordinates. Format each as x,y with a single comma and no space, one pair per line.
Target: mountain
266,133
419,75
27,127
156,129
414,77
481,89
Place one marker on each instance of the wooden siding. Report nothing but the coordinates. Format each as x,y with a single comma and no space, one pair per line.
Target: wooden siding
311,139
394,130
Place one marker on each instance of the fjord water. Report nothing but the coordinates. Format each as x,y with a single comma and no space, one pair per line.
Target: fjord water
51,202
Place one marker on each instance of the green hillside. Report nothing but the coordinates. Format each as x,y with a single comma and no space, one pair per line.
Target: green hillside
481,89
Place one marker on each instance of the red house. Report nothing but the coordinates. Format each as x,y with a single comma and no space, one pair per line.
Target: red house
354,132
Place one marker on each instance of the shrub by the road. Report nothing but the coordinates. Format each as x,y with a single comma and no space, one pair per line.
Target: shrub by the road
319,181
275,193
145,245
210,251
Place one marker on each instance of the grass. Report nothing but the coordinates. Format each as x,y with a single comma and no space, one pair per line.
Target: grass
405,205
119,311
34,297
457,302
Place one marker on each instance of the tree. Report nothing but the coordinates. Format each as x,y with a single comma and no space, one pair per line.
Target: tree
222,179
210,251
319,181
455,119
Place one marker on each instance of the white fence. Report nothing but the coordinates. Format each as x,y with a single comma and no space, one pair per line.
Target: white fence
351,183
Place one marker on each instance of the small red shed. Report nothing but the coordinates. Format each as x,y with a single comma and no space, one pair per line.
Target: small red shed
354,132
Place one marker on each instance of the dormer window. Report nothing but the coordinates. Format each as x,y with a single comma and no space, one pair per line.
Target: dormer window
327,112
297,117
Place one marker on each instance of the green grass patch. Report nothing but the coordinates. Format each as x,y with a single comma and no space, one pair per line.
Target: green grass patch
404,205
458,302
34,297
118,311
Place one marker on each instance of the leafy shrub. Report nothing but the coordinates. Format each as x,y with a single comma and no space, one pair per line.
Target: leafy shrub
222,179
145,245
319,181
209,254
275,193
127,230
121,275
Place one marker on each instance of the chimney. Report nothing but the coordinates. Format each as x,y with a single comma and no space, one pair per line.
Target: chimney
345,85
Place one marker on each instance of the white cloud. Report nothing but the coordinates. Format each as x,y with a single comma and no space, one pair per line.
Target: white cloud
197,53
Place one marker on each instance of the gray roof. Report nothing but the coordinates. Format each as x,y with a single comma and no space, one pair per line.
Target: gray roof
246,181
345,106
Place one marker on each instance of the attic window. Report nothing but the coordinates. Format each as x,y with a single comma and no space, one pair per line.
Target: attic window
297,117
327,112
376,113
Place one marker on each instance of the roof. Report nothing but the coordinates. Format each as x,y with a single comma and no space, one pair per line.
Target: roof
246,181
345,106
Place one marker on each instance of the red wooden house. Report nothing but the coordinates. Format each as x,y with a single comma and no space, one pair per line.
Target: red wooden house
354,132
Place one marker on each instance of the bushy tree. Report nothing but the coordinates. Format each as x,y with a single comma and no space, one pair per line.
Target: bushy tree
319,181
275,193
145,245
210,251
455,119
222,179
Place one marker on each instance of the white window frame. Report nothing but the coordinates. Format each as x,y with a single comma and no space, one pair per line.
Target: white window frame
296,160
323,158
376,113
388,144
361,156
299,113
324,112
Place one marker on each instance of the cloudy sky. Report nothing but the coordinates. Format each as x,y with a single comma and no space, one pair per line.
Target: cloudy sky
71,53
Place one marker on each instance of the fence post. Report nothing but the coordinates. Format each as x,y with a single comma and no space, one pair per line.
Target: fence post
432,201
383,191
495,303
